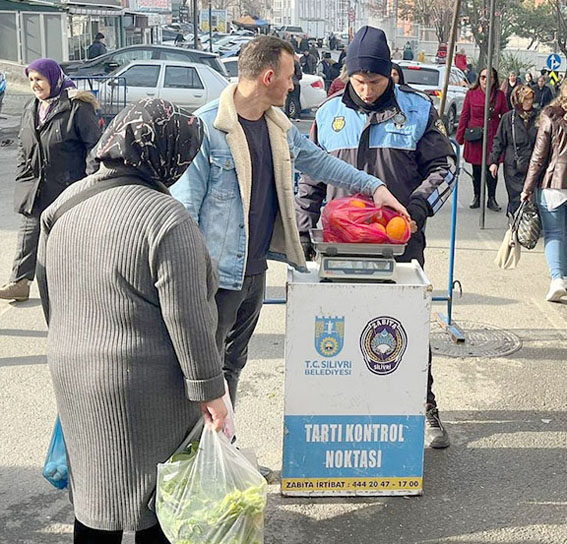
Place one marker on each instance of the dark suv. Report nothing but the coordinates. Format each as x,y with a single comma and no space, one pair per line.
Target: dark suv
103,65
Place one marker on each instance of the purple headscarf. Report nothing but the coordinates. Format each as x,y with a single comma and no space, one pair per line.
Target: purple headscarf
49,69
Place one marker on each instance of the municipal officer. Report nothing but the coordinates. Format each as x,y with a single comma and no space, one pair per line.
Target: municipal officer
394,133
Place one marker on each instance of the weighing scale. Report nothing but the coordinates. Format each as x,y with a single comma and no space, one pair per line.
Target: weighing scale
355,262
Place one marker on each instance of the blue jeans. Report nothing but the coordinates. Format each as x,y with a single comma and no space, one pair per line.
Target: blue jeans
555,236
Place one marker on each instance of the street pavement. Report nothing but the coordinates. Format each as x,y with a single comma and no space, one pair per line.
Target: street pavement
501,481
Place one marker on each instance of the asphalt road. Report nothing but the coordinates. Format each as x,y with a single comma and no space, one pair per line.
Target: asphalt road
503,480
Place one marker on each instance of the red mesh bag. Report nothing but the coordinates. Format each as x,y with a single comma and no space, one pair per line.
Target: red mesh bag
356,220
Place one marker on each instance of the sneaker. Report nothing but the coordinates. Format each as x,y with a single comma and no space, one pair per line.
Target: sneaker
557,290
436,435
16,290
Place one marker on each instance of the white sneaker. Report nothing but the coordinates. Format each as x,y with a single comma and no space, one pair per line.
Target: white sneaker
557,289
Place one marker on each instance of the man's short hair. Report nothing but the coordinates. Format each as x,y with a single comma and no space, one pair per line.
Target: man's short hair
261,53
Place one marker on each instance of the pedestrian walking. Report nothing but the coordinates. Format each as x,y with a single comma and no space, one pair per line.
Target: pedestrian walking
240,190
308,62
529,79
292,106
408,52
515,141
327,70
397,54
508,87
543,94
304,43
470,132
58,129
471,74
395,132
397,74
339,83
97,48
547,182
461,60
131,320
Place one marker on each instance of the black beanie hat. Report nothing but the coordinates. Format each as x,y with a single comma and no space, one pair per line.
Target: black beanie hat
369,52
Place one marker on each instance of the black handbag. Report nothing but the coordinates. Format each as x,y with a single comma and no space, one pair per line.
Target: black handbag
474,134
529,224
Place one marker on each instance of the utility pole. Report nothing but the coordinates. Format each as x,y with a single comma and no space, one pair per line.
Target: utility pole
210,27
449,62
195,24
488,94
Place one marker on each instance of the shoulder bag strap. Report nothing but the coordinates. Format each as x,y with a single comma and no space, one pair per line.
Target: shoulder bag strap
514,136
91,191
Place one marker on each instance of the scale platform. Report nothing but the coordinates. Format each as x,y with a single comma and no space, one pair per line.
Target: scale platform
355,262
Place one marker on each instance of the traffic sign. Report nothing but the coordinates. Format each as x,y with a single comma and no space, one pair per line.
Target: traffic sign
553,61
554,78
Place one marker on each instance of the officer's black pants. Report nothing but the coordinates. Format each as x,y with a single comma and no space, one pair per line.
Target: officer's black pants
416,250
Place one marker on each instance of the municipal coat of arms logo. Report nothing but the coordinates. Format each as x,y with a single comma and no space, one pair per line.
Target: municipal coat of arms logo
338,123
329,335
383,343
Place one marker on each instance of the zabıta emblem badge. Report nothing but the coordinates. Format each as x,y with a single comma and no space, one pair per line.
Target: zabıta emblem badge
383,343
338,123
329,335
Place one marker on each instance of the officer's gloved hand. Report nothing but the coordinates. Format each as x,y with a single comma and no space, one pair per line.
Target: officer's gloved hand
307,246
418,211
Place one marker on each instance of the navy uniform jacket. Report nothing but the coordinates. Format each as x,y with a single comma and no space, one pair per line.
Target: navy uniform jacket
415,158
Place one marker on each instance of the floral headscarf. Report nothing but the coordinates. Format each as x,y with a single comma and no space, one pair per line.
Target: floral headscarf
155,137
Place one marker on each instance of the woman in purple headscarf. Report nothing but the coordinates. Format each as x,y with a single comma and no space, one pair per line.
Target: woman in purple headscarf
59,127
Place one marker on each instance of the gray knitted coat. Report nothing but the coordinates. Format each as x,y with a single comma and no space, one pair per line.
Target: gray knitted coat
128,290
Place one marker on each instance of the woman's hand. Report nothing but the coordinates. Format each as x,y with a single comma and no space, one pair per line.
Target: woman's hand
494,170
214,413
525,196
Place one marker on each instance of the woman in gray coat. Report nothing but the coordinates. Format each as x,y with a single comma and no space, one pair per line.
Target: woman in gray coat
128,291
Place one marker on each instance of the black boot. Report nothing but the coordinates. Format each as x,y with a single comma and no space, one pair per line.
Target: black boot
493,205
475,203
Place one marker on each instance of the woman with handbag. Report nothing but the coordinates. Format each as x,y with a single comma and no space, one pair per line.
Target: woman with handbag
59,127
131,320
515,141
470,132
547,181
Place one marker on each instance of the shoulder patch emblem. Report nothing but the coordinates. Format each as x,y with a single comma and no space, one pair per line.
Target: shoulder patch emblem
440,126
338,123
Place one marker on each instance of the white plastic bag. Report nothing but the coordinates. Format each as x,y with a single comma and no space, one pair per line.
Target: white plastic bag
211,494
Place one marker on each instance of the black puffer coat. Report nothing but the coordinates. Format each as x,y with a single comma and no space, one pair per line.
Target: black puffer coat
526,132
53,156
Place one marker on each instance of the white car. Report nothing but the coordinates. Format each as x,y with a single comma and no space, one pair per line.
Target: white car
429,79
312,89
185,84
230,43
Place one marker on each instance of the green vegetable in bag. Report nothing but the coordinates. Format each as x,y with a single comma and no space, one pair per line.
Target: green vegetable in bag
213,496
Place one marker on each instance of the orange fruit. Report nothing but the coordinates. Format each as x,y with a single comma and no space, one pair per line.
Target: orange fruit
397,229
380,227
357,203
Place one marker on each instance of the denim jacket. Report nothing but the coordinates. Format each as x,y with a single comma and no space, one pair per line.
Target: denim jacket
216,188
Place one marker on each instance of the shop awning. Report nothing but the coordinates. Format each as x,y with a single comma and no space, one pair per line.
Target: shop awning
19,5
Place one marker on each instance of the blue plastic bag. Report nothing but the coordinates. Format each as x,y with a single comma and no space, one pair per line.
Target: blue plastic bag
55,469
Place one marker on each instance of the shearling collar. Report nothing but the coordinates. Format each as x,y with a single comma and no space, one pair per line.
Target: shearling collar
227,118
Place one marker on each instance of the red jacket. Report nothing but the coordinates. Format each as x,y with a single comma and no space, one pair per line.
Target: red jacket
473,116
337,85
461,62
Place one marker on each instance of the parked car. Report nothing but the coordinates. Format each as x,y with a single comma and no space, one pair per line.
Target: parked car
190,85
2,88
429,79
312,88
105,64
230,43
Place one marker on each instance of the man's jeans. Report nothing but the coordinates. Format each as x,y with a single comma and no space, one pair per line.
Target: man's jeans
555,236
239,312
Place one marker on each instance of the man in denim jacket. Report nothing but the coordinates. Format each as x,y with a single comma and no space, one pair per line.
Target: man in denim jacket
239,189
